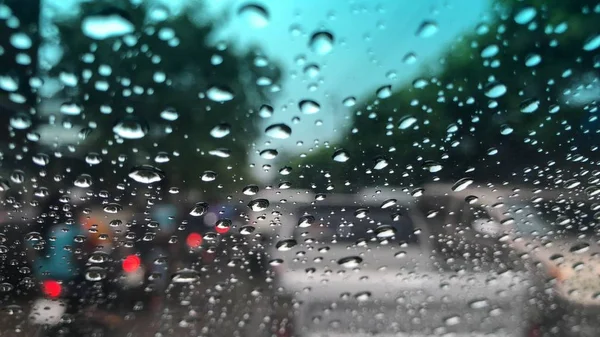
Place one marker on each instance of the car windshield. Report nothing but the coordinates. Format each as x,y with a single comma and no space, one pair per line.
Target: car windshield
272,168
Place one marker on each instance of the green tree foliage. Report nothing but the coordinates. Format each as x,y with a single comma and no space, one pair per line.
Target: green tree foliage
459,126
165,64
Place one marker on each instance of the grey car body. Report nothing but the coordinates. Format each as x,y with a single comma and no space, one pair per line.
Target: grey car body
367,263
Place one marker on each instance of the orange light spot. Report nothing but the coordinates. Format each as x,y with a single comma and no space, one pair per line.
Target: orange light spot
131,263
194,240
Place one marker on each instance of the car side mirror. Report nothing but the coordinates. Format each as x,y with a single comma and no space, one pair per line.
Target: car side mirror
488,227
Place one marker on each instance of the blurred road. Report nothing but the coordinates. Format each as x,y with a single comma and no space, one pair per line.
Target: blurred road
217,305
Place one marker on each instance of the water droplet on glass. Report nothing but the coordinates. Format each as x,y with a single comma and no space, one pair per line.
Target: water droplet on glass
162,157
219,94
479,304
362,296
100,27
361,213
130,128
506,130
220,130
20,121
83,181
309,107
452,320
350,261
269,154
592,43
349,101
199,209
533,60
427,29
41,159
388,203
321,43
306,221
384,92
278,131
462,184
432,166
385,232
169,114
495,90
580,248
112,208
185,276
265,111
146,174
341,156
285,245
525,15
70,109
258,205
247,229
95,274
255,15
409,58
380,163
20,41
208,176
406,122
490,51
529,105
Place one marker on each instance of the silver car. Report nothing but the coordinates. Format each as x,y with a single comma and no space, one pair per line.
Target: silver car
368,264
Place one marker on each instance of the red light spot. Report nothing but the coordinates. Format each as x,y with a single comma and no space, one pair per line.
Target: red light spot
131,263
51,288
194,240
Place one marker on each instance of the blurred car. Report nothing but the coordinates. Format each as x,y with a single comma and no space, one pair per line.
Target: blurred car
367,264
553,234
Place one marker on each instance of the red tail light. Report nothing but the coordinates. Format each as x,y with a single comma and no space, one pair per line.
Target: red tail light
194,240
51,288
131,263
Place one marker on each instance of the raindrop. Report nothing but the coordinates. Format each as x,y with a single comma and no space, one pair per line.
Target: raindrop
185,276
306,221
592,43
199,209
506,130
220,130
427,29
533,60
41,159
284,171
309,107
350,261
349,101
208,176
409,58
380,163
580,248
255,15
452,320
525,15
278,131
83,181
341,156
529,105
21,41
93,158
385,232
479,304
70,109
4,185
362,296
269,154
285,245
95,274
490,51
146,174
495,90
17,177
384,92
406,122
250,190
20,121
247,230
258,205
361,213
265,111
321,43
112,208
162,157
471,199
169,114
130,128
388,203
220,152
219,94
101,27
462,184
432,166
